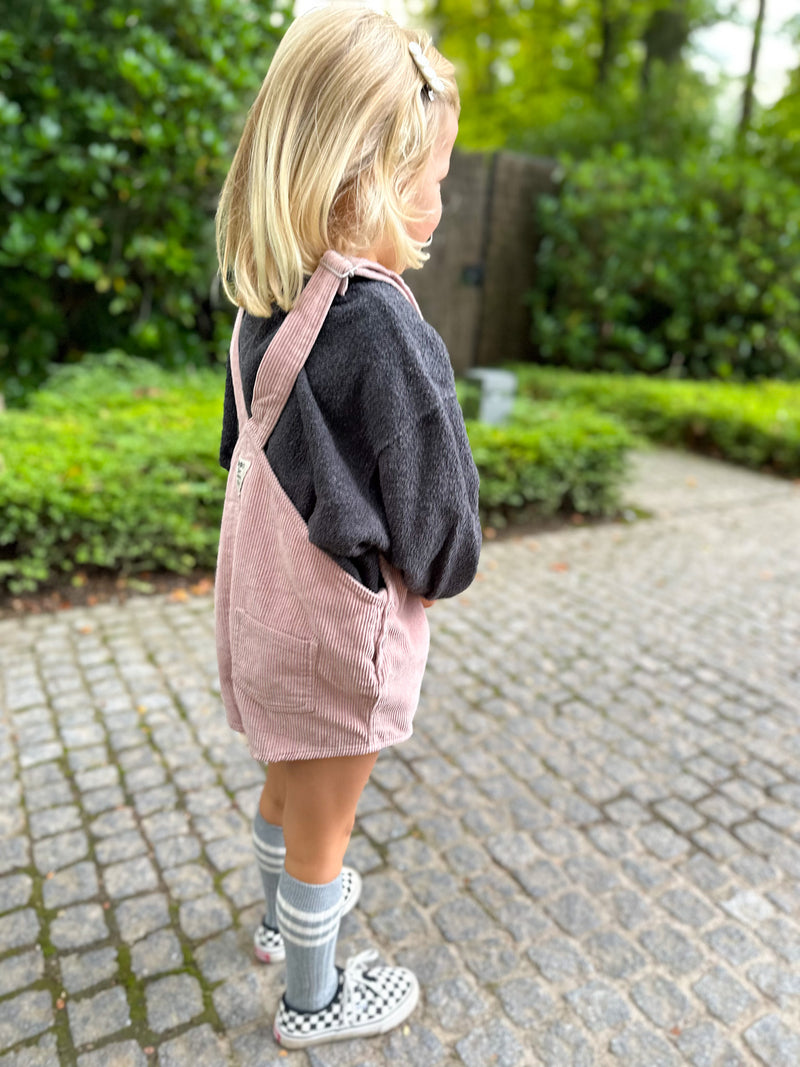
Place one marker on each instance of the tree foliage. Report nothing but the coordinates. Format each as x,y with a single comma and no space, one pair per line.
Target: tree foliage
559,75
117,122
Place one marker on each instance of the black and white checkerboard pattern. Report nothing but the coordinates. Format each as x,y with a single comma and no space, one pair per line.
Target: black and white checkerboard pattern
373,1005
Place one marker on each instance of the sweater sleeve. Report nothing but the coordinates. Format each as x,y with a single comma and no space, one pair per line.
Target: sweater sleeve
429,486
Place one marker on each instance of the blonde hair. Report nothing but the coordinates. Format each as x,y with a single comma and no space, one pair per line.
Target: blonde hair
339,132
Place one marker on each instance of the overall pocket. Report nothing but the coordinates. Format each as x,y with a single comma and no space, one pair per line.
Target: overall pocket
274,668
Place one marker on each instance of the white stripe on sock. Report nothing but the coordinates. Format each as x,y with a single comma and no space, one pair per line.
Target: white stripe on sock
308,917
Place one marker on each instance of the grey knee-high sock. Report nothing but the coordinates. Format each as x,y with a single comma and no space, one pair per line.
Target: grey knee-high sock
270,854
308,919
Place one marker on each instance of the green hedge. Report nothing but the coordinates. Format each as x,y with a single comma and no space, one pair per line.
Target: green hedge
114,467
686,268
550,460
757,426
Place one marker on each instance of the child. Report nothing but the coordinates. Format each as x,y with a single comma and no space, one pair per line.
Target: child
352,500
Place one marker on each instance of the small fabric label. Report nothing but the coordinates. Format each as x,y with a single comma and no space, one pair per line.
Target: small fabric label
242,466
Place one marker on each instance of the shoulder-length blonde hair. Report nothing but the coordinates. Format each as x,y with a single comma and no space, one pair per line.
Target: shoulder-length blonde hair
339,131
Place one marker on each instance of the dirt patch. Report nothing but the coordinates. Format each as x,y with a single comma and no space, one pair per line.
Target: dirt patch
88,590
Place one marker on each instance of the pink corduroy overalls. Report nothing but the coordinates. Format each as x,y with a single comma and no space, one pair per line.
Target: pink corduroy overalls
312,664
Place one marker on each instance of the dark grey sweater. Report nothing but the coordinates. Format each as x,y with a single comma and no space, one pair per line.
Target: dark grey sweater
371,447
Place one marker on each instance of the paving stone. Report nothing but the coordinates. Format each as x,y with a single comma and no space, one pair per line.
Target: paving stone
24,1016
130,877
175,851
430,962
199,1047
574,914
749,908
70,885
91,1018
456,1004
776,982
243,887
77,926
141,916
222,957
240,1000
118,1054
225,855
733,943
662,841
637,1046
661,1001
18,929
492,959
123,846
155,954
19,971
188,882
704,1046
672,948
82,971
52,853
562,1044
725,998
204,916
15,891
412,1045
461,920
172,1001
98,800
630,909
54,820
614,955
772,1040
599,1006
686,907
557,959
783,936
492,1043
257,1048
112,823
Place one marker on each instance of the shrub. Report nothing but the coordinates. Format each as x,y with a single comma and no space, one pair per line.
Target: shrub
114,466
117,123
687,269
549,460
755,425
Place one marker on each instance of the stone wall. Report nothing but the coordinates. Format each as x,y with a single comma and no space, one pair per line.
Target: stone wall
482,259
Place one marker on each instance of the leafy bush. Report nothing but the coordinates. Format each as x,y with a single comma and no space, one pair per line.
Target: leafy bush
549,460
114,466
688,269
117,123
755,425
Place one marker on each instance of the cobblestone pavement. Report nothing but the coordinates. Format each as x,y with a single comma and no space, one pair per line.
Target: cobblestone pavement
589,852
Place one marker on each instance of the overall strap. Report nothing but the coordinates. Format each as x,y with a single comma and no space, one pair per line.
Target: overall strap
294,339
236,371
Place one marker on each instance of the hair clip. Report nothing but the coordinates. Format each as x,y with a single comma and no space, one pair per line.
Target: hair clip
432,81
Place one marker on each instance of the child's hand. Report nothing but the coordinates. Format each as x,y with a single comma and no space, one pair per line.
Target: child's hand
427,603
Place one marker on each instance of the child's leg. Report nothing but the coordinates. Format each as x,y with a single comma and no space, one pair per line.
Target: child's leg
270,851
318,817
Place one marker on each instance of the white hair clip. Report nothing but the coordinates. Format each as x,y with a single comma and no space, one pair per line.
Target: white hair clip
432,81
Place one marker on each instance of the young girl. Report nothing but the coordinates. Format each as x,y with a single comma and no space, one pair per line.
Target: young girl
352,499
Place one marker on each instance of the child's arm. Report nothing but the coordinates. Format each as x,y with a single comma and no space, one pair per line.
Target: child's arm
429,486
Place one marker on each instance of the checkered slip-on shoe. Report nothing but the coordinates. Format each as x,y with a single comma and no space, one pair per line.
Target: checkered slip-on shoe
369,1000
268,943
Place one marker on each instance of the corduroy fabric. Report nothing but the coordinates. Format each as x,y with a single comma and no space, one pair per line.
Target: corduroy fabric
312,664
